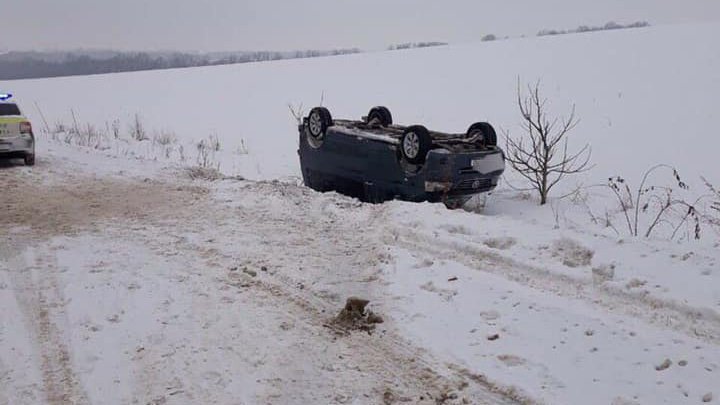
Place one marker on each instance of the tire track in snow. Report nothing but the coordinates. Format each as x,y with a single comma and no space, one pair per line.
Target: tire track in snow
388,356
74,202
698,323
394,354
53,199
42,304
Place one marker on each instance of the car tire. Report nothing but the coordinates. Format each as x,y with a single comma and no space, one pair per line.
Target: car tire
381,115
489,134
30,159
415,143
318,121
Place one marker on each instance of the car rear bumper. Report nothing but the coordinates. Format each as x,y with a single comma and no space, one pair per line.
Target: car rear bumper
17,145
463,187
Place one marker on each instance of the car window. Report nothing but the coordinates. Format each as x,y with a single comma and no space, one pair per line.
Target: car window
9,109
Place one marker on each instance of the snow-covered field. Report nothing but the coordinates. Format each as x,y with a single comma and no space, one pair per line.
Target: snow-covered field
125,281
644,96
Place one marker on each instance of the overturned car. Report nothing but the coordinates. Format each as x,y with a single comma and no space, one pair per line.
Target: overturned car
374,160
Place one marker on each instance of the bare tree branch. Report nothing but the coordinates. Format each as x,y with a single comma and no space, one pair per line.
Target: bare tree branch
297,112
656,201
542,157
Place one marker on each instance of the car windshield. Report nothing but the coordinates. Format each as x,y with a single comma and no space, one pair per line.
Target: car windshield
9,109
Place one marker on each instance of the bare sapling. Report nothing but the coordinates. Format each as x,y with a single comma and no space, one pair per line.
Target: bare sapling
137,129
542,155
42,116
297,112
206,150
115,128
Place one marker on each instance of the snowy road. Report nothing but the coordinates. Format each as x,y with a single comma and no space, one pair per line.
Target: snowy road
123,281
125,289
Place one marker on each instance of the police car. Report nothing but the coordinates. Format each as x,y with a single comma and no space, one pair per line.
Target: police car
17,140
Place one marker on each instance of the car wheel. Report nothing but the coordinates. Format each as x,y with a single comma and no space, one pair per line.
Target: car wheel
381,115
487,130
30,159
415,143
319,120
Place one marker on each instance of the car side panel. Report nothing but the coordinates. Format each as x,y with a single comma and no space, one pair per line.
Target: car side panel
370,169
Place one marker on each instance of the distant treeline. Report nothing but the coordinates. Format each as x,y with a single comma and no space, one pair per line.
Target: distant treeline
410,45
584,28
31,65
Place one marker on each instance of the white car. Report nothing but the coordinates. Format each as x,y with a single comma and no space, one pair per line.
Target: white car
16,136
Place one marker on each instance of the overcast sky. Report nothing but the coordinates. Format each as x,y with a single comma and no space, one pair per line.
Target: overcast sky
217,25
